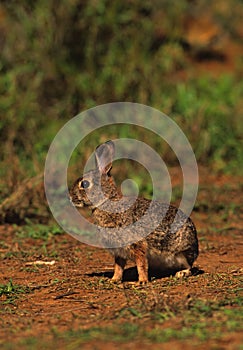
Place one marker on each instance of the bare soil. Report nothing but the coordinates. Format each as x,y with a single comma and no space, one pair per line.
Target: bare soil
72,292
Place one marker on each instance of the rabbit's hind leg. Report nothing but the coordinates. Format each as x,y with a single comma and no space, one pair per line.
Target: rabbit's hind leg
140,255
183,273
185,267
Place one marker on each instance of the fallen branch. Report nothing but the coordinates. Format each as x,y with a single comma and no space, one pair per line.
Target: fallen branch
39,262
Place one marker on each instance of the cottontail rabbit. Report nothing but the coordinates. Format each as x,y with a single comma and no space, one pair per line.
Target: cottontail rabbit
170,245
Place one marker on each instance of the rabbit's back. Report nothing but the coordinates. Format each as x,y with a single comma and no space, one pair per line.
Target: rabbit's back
162,227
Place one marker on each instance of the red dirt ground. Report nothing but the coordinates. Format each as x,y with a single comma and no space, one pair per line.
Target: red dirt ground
75,292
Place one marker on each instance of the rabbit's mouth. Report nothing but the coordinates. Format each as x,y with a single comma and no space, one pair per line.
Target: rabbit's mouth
77,203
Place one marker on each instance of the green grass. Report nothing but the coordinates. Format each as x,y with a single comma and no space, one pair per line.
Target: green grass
101,52
38,231
44,234
10,292
202,322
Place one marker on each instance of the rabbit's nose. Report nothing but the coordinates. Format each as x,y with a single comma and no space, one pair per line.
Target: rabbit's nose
71,201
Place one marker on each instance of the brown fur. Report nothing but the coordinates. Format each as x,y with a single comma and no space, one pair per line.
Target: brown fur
172,244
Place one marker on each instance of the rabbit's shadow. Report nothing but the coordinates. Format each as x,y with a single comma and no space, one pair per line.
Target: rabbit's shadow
131,275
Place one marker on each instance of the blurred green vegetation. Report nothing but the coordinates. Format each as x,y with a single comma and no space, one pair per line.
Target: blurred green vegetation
59,58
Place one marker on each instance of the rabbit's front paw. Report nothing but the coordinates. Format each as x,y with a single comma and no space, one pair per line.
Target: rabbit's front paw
142,282
115,279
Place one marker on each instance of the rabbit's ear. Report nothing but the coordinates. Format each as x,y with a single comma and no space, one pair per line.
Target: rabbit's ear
104,155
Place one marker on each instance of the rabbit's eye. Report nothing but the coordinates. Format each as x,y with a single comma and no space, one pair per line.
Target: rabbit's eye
84,184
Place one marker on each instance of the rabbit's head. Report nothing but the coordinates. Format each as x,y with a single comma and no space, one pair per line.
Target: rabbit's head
96,186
